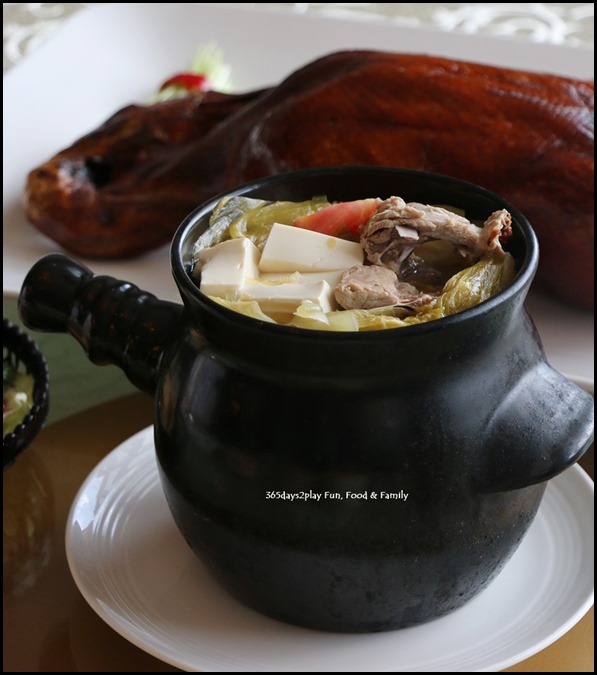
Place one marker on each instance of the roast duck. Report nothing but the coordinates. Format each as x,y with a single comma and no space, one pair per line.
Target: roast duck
124,188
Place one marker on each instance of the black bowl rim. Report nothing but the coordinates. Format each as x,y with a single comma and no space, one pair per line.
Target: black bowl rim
16,340
523,277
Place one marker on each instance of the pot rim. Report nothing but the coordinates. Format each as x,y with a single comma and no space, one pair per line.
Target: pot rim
522,280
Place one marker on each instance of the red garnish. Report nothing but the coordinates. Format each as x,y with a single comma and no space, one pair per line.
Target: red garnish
188,81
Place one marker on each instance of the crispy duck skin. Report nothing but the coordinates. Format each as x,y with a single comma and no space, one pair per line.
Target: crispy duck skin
526,136
106,196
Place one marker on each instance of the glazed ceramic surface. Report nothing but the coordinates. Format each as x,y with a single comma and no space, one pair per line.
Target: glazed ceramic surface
346,482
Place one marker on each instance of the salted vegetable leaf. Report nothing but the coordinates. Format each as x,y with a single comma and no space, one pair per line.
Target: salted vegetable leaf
226,211
247,307
477,283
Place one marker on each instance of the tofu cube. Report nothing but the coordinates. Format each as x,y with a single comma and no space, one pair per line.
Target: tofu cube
292,249
332,277
284,298
225,267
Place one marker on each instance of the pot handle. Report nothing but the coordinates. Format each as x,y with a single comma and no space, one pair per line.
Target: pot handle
114,321
544,425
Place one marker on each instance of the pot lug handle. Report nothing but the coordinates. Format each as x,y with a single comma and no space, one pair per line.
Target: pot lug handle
543,426
114,321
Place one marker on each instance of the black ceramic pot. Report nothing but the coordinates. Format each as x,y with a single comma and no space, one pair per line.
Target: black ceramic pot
342,481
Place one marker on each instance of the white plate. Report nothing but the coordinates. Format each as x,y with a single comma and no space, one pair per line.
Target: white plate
136,571
108,56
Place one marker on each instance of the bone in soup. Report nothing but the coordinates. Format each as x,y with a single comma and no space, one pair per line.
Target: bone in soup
350,266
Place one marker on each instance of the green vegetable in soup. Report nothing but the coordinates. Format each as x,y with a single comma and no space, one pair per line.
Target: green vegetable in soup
225,213
17,397
477,283
468,288
311,315
247,307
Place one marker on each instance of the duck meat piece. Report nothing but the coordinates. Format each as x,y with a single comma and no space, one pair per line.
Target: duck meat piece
526,136
396,229
370,286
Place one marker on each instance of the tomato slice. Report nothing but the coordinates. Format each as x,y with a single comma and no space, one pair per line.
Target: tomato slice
340,219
